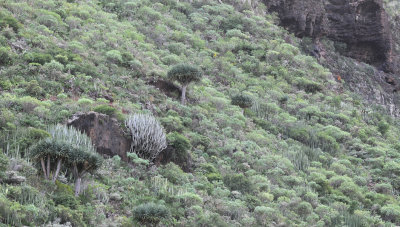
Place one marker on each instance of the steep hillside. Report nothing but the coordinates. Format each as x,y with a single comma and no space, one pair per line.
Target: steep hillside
272,134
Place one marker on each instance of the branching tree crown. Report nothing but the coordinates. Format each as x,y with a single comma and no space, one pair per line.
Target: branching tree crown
184,74
69,148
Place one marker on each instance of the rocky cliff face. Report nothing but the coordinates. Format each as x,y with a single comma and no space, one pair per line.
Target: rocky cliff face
361,24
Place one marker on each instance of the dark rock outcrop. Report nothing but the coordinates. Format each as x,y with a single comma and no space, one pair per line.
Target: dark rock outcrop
105,132
361,24
167,87
165,157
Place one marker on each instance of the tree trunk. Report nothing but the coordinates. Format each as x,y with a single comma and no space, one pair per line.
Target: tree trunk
75,171
183,96
78,186
57,170
43,167
48,167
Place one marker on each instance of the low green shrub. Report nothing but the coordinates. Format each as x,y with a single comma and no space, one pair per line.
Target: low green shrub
150,213
9,21
238,182
5,56
3,165
179,146
174,174
391,212
33,135
41,58
308,85
85,101
383,127
75,217
114,56
243,101
64,195
5,84
105,109
7,117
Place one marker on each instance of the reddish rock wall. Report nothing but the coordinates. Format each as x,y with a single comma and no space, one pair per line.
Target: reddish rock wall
105,132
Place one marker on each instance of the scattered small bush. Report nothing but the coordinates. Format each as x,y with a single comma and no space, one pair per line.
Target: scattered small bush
150,213
5,56
9,21
238,182
41,58
3,165
179,146
383,127
105,109
243,101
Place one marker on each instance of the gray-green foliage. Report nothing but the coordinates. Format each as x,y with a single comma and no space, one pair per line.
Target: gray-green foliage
69,148
3,164
150,213
243,101
180,146
62,143
383,127
306,133
71,136
184,74
148,137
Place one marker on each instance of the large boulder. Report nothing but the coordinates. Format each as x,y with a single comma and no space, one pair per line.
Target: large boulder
106,133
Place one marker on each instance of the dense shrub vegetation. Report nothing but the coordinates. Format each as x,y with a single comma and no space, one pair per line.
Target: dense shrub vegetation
267,136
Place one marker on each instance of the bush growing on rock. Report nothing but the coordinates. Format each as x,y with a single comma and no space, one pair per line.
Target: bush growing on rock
85,102
148,137
105,109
